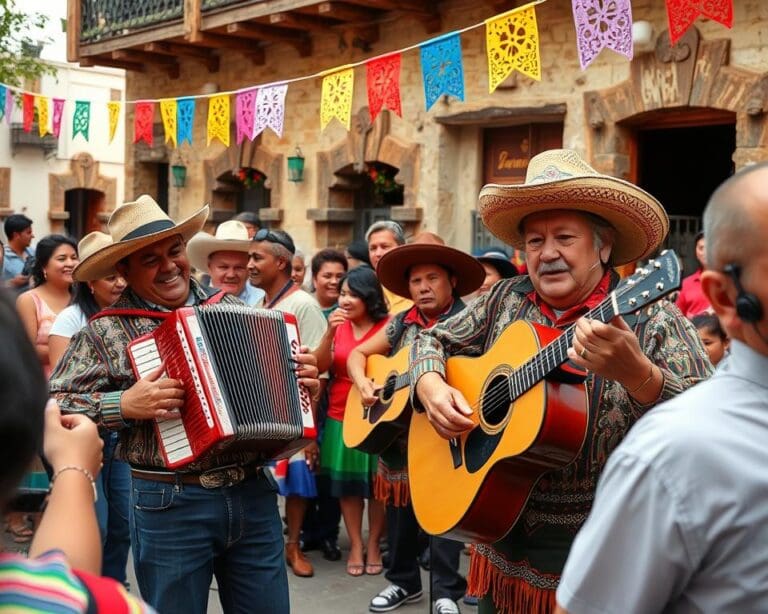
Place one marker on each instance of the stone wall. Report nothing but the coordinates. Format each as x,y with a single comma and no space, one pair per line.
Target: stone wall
448,163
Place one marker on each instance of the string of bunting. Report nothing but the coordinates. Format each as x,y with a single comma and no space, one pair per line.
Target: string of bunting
512,44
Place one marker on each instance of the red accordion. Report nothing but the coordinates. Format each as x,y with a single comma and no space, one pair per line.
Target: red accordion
238,370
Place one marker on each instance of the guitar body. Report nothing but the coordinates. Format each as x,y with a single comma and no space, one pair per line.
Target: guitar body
474,488
373,429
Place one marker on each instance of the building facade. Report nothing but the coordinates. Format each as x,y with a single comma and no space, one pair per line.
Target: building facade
676,120
66,185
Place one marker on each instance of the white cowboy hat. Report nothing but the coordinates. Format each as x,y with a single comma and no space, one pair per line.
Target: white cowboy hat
133,226
231,236
560,179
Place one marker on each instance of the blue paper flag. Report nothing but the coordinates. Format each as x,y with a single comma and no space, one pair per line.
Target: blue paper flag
185,117
441,68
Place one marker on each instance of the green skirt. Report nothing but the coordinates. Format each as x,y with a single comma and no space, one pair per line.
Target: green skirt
348,471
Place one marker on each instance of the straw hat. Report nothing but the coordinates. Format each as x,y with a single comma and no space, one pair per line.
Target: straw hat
560,179
132,227
428,248
91,243
231,236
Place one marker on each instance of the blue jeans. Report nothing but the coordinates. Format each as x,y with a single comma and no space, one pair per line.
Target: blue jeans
112,510
185,534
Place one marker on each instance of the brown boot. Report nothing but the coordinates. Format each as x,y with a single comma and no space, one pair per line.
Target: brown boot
297,561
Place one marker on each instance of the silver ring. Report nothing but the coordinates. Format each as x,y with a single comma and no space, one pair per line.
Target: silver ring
583,353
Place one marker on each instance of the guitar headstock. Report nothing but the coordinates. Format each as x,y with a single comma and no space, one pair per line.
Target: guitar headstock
648,284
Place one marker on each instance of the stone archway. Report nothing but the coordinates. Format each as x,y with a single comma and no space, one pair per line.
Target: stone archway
249,154
693,73
83,173
365,142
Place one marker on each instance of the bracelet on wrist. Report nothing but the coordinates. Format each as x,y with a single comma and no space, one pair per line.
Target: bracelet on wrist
82,470
644,383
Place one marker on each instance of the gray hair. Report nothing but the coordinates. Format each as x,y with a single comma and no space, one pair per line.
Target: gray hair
393,227
729,229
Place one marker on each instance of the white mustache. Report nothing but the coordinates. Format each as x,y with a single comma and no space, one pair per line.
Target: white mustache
553,267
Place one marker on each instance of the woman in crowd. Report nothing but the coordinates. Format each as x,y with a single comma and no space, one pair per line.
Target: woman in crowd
328,267
362,312
60,575
712,336
55,259
112,507
357,254
497,266
298,268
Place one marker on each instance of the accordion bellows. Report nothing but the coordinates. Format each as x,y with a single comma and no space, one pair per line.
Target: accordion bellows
241,390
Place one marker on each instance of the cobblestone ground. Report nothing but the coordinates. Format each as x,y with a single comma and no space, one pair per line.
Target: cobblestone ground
330,591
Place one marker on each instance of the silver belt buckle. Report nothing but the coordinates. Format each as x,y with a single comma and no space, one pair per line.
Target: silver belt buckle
222,477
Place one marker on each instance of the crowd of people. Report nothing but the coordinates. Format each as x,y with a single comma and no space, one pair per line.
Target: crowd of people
661,509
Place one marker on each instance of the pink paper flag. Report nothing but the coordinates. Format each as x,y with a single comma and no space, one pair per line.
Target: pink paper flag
8,105
245,114
270,109
58,112
601,24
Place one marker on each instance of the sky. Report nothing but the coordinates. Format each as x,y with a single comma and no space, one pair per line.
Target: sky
56,10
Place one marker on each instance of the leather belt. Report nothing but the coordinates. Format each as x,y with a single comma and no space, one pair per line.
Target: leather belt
219,477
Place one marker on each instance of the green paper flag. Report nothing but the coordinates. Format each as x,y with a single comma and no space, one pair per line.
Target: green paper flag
81,120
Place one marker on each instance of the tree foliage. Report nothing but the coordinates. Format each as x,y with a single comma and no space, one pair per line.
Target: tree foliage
20,33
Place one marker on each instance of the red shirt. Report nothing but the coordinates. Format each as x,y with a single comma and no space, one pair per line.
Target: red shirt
575,312
344,341
691,300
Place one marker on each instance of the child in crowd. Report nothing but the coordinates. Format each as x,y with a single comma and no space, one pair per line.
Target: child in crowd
712,336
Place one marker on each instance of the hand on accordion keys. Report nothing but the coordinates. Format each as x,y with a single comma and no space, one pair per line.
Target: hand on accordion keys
306,370
153,396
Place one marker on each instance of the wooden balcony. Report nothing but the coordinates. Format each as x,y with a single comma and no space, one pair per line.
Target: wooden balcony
134,34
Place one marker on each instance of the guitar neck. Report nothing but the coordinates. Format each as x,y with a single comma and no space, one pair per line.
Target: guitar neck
552,355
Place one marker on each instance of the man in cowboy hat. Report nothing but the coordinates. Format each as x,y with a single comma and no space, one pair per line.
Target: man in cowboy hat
220,514
679,519
574,225
434,276
225,257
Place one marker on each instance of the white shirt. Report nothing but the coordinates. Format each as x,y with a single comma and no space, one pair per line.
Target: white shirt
69,321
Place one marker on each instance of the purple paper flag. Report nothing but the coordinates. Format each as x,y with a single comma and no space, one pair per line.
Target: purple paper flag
245,113
601,24
8,105
270,109
58,112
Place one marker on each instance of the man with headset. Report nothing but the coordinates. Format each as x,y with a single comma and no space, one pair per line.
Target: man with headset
679,520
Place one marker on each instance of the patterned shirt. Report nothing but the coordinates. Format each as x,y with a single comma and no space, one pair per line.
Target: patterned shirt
95,371
559,504
48,584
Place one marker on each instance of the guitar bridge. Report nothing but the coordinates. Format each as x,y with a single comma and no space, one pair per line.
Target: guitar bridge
455,447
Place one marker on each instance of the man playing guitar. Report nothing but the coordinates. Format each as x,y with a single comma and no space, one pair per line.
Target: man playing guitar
574,226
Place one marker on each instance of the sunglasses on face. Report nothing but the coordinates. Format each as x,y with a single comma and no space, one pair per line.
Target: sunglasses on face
267,235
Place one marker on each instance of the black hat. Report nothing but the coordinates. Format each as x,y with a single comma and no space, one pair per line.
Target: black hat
499,261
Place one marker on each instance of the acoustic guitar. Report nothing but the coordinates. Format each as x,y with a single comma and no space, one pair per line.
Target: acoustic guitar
372,429
531,415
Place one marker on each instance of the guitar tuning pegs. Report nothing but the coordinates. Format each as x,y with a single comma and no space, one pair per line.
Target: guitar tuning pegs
656,265
664,253
632,301
645,294
659,286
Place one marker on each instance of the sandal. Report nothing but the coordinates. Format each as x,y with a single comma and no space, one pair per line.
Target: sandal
356,569
374,569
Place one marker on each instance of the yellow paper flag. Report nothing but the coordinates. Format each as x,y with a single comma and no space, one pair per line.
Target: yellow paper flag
41,104
114,117
218,119
336,99
168,113
512,43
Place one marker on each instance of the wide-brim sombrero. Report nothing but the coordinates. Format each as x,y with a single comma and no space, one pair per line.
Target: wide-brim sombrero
231,236
560,179
133,226
394,266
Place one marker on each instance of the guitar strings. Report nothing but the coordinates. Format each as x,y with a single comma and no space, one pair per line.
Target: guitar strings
544,354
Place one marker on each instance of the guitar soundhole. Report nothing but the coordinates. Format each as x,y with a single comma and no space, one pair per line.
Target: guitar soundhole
388,390
495,401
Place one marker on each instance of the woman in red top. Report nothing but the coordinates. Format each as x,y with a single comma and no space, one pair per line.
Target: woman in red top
362,312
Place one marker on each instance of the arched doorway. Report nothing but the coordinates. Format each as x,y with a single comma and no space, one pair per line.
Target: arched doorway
83,207
242,189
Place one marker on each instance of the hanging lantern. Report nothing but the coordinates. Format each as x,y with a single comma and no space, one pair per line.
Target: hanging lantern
296,166
179,175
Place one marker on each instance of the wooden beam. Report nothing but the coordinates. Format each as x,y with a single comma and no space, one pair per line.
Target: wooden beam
150,35
346,12
142,57
201,54
250,10
299,21
73,30
300,41
89,61
220,41
426,12
192,19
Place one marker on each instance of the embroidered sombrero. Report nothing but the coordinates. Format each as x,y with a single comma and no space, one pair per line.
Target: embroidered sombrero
560,179
428,248
132,226
231,236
